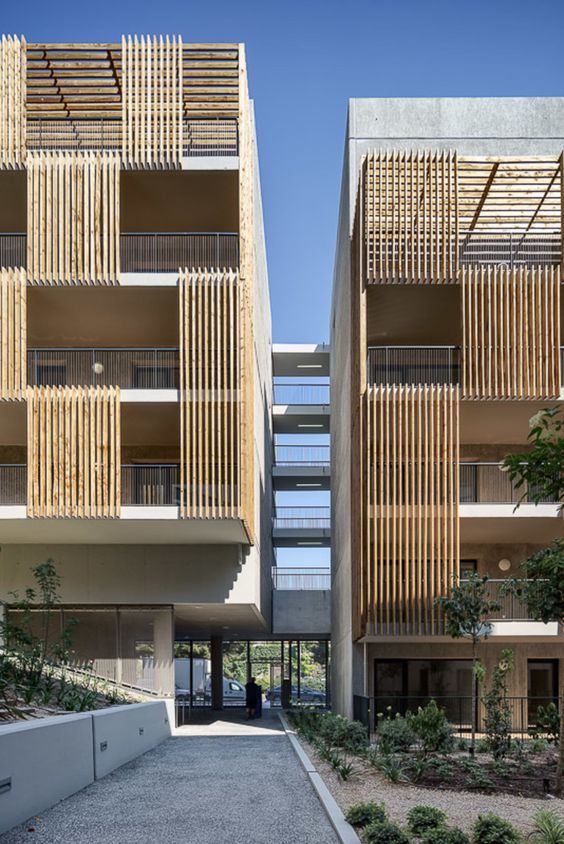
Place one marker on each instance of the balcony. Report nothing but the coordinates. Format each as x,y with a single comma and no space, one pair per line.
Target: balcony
510,248
166,252
215,137
305,393
301,578
130,369
413,365
13,249
150,485
301,455
486,483
302,518
13,484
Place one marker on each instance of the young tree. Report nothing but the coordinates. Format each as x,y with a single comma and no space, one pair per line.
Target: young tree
467,610
539,474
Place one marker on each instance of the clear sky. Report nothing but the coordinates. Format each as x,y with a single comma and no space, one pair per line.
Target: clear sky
305,60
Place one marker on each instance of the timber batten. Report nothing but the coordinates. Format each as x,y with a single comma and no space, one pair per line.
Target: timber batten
73,446
410,496
13,322
12,101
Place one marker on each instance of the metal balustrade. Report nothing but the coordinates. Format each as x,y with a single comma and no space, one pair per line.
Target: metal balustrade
301,455
78,134
302,517
511,249
150,485
217,136
130,369
13,483
165,252
302,393
13,249
511,608
413,365
487,483
301,578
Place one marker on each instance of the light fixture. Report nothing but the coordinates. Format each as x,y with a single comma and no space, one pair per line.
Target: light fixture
504,564
309,543
308,485
97,367
304,425
309,366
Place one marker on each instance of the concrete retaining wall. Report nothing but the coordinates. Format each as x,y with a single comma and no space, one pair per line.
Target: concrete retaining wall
44,761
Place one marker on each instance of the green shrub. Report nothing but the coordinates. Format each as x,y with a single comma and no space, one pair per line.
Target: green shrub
549,828
443,769
389,766
491,829
395,734
362,814
476,777
385,832
446,835
547,723
432,728
422,818
335,730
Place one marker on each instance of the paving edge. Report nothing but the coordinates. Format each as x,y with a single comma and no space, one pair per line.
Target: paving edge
344,830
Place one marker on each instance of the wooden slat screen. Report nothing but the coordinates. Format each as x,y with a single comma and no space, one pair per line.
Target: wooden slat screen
511,328
13,322
12,101
152,101
73,446
408,205
73,218
411,494
211,463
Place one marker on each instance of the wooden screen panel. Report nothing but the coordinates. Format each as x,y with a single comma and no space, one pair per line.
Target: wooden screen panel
211,462
13,322
511,328
12,101
411,495
73,218
408,207
211,80
152,101
73,446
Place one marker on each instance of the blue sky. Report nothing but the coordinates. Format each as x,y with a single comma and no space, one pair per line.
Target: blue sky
305,60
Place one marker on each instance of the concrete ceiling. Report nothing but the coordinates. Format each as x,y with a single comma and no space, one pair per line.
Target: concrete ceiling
300,360
227,620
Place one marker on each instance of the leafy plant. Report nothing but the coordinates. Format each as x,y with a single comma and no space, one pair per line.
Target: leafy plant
549,828
420,819
547,723
389,766
432,728
446,835
394,734
443,769
497,720
362,814
385,832
491,829
476,777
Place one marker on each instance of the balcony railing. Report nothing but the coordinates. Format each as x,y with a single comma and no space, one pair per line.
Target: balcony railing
511,249
130,369
301,578
166,252
150,485
210,137
301,455
486,483
511,608
302,393
66,134
302,517
13,249
13,483
413,365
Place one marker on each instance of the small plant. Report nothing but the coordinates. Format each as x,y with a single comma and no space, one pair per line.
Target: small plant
390,767
385,832
549,828
433,729
482,746
491,829
420,819
443,769
497,721
445,835
538,745
417,767
476,777
547,723
394,734
362,814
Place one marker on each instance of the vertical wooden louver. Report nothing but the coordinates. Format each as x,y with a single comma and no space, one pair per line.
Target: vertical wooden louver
211,394
152,101
410,488
73,446
511,326
12,101
13,319
73,218
408,213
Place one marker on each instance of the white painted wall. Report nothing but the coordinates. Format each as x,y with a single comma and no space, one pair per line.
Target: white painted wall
122,733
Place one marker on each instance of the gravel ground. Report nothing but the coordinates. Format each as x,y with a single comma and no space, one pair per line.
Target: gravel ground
199,787
462,807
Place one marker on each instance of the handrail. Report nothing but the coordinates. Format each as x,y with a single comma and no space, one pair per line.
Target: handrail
127,367
167,251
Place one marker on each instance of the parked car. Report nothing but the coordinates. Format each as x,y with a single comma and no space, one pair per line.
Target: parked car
306,695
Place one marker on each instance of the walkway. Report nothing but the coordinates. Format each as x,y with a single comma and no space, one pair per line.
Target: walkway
225,782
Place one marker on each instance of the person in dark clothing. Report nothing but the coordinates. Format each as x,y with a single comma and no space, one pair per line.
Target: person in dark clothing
252,697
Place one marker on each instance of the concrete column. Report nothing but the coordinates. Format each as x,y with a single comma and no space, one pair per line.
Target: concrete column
216,643
163,631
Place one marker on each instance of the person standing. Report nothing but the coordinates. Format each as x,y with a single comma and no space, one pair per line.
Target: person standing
251,697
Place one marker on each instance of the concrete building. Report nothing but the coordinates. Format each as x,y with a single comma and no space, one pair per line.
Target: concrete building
445,340
136,440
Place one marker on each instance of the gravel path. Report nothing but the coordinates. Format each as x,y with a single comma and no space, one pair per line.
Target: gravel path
462,807
221,784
